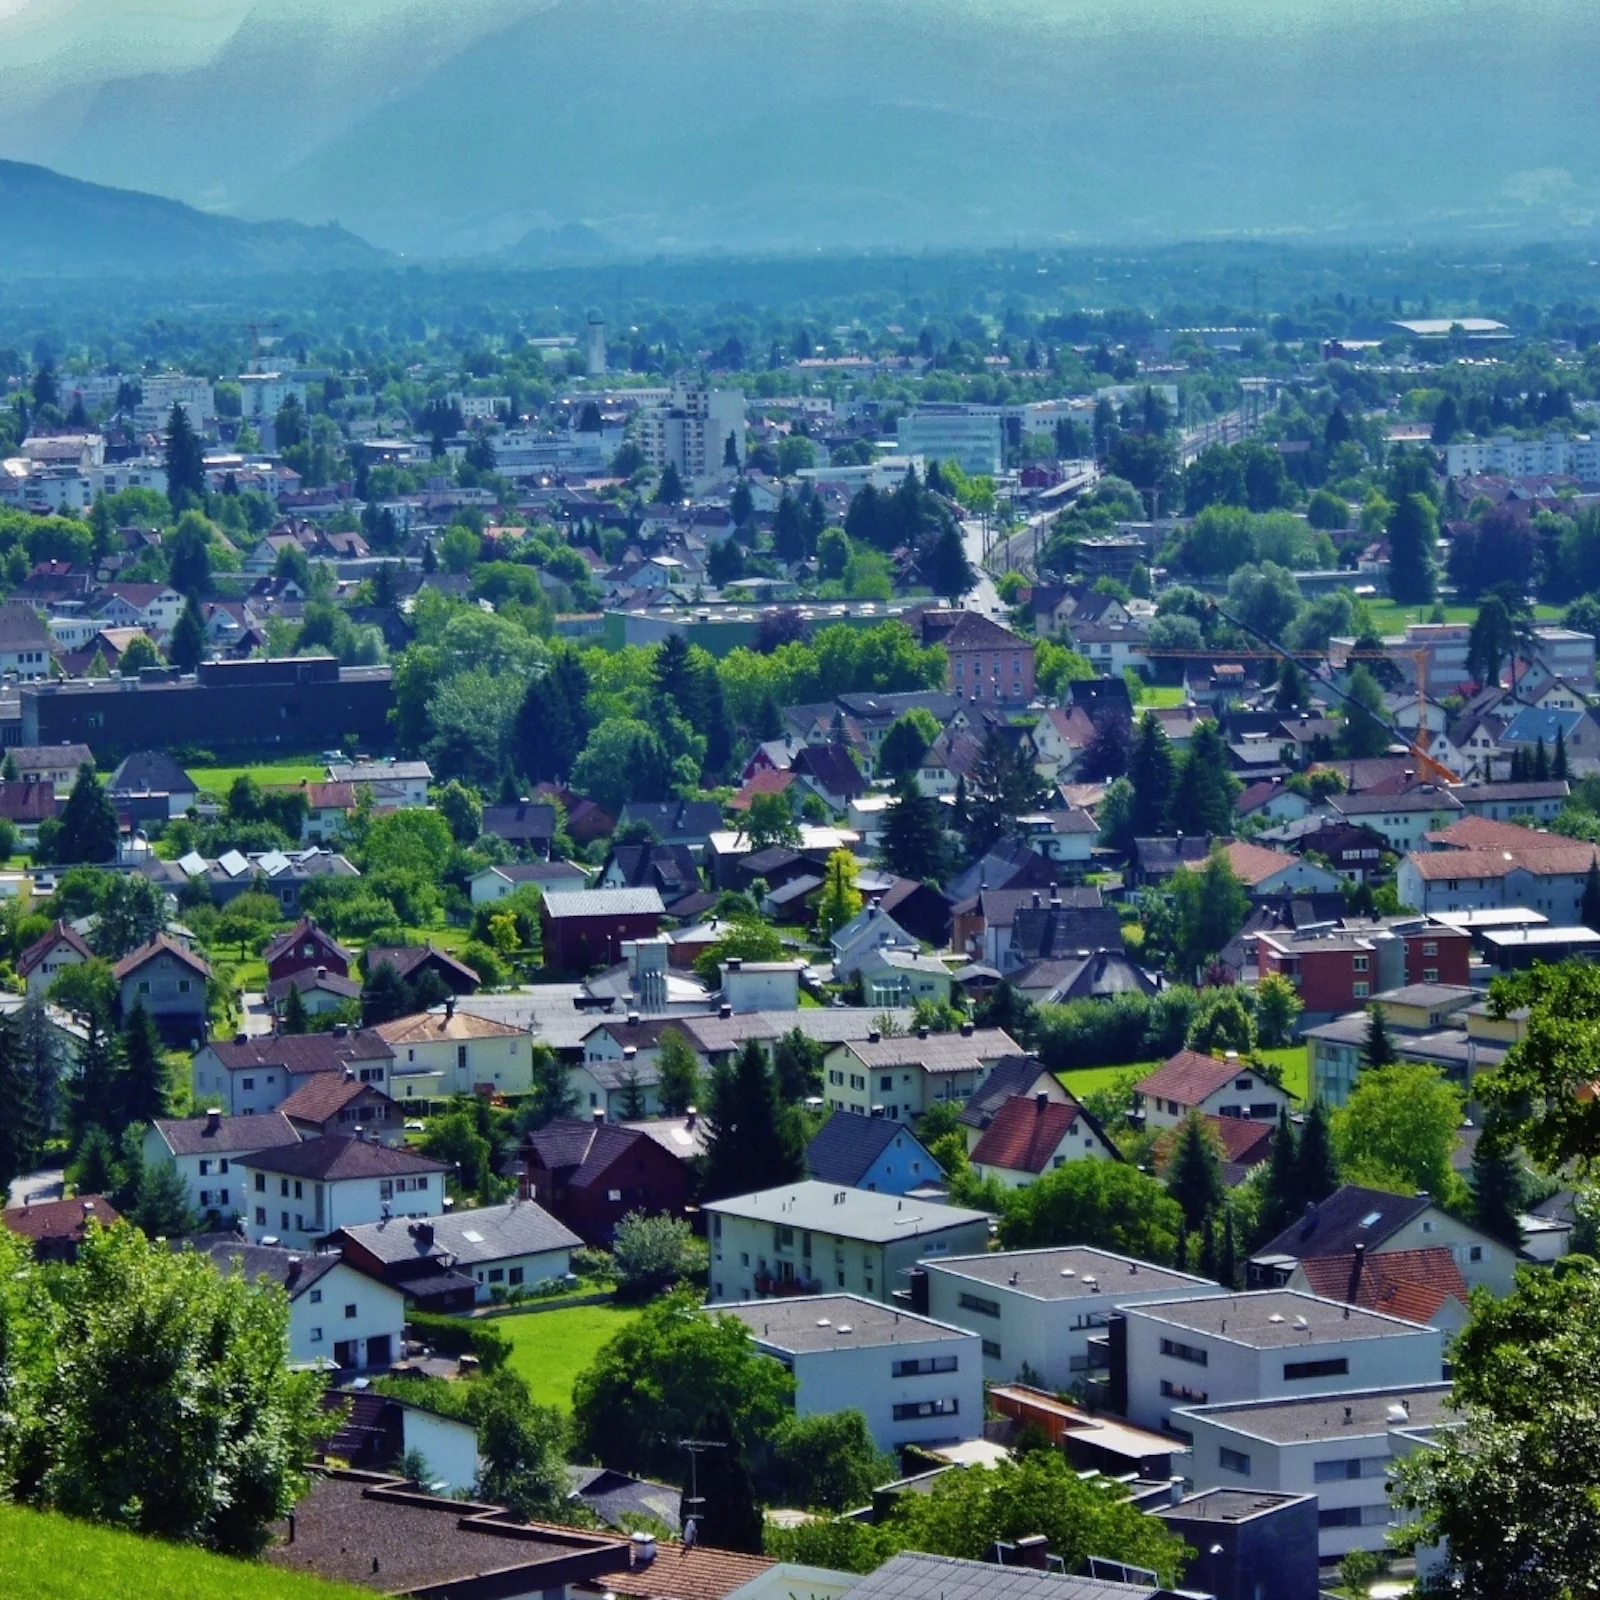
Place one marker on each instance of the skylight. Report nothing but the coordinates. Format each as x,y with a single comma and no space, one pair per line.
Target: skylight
1371,1219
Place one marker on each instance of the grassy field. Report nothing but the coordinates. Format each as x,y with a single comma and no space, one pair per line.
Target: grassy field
219,780
53,1558
550,1348
1160,695
1389,616
1293,1063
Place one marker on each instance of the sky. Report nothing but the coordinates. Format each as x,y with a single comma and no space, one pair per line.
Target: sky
460,126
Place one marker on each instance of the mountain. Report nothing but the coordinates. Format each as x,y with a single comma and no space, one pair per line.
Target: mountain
61,227
742,125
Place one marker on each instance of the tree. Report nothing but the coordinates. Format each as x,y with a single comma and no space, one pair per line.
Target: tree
185,462
1290,694
1280,1187
553,722
906,742
1365,733
1413,539
1106,755
1509,1497
1203,796
678,1073
654,1254
186,649
455,1139
1399,1128
1493,640
840,900
1558,762
1208,909
27,1092
1378,1051
1278,1003
141,653
384,996
145,1091
1106,1204
295,1020
752,1139
89,828
1004,787
1194,1175
912,844
131,912
829,1462
553,1095
161,1205
523,1449
189,560
462,811
670,490
948,572
1316,1163
1222,1022
1152,770
1499,1184
797,1066
1589,914
770,821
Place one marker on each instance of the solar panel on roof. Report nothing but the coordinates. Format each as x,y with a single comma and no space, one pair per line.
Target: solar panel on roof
233,863
273,862
192,865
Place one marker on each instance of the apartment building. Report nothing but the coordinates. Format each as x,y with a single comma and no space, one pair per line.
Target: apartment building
691,432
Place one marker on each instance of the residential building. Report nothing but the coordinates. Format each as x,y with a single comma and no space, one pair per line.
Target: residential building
249,1075
205,1150
811,1237
906,1074
913,1574
496,883
1038,1311
1248,1542
494,1249
587,928
1268,874
1032,1135
446,1052
761,985
1481,865
154,772
688,822
591,1174
1404,820
1339,969
56,1228
694,432
50,955
301,1193
916,1381
870,1153
411,961
1009,1077
1376,1224
1168,1355
393,785
524,825
170,982
321,992
1337,1447
305,947
1418,1285
1190,1081
986,663
893,976
26,648
337,1316
330,1103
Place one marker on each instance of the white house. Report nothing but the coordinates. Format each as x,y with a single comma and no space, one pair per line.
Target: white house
48,957
443,1052
818,1236
907,1073
401,785
870,929
1273,1344
1403,819
1191,1081
1335,1446
1038,1309
916,1381
892,975
206,1150
249,1075
300,1194
761,985
337,1317
1032,1135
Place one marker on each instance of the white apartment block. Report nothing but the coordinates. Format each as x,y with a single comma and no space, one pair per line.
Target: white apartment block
970,436
1338,1447
1039,1309
262,394
692,430
904,1075
1552,456
817,1237
1270,1345
916,1381
158,395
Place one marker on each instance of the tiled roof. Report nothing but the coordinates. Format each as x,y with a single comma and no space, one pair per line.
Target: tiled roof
1349,1216
151,772
331,1159
305,928
146,953
1024,1134
197,1136
309,978
969,630
939,1052
1567,858
301,1054
1413,1284
1244,1142
914,1576
430,1027
1012,1075
60,1219
846,1145
588,1149
323,1096
695,1573
61,933
489,1233
1189,1077
406,958
290,1270
1253,864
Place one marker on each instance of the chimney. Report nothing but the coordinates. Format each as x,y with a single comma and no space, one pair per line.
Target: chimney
644,1549
873,1036
361,1134
1055,899
322,972
1041,1101
449,1008
425,1234
1036,901
598,1115
241,1038
966,1030
690,1114
1356,1265
294,1272
922,1032
213,1119
724,1010
629,1052
734,963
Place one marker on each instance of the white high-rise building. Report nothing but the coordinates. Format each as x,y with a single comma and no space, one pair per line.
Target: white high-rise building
596,351
692,431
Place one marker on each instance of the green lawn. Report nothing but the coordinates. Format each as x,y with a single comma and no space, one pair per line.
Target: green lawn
1389,616
1160,695
219,780
550,1348
1293,1063
53,1558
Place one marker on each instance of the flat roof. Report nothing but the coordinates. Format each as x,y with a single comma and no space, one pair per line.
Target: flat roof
812,1323
1538,938
1276,1319
1491,917
1228,1505
1363,1413
1066,1273
852,1213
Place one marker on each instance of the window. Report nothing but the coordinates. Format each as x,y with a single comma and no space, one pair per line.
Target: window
1430,974
1181,1434
247,1084
785,1238
1475,1253
316,1336
497,1274
1244,1083
886,1081
913,1409
1297,1371
299,1191
1185,1352
1352,1516
1233,1461
984,1308
284,1220
915,1367
183,986
514,1275
1358,963
1430,949
991,1349
144,986
205,1167
261,1216
1360,990
350,1311
1183,1393
316,1297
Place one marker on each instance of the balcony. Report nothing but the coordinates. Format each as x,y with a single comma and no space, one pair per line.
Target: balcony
769,1287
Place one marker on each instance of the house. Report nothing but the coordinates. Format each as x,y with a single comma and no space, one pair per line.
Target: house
26,647
1270,799
170,982
495,1249
259,1074
1089,975
446,1052
761,985
337,1317
1269,873
154,772
870,1153
1247,1541
895,976
56,1228
1419,1285
305,947
669,869
1478,865
1065,836
393,785
829,773
1009,1077
1404,820
1060,737
912,1573
1170,1354
1376,1223
591,1174
321,992
1335,1446
1110,647
810,1237
617,1087
1039,1311
300,1194
871,928
25,805
1033,1135
328,809
1065,920
587,928
1336,969
49,956
55,764
1190,1081
916,1381
986,663
410,961
329,1103
1242,1142
1579,732
524,825
498,882
906,1074
1506,802
206,1149
690,822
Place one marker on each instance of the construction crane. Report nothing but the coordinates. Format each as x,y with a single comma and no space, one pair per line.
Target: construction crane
1430,766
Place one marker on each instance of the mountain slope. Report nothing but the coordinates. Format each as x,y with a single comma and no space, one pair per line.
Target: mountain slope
61,227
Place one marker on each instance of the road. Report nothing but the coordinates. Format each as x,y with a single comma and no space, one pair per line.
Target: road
985,598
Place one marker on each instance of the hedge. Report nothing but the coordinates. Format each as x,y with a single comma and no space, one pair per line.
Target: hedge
461,1336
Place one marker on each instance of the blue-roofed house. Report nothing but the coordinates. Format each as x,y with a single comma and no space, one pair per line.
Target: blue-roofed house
870,1153
1579,731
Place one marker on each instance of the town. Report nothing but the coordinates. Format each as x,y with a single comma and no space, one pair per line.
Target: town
895,948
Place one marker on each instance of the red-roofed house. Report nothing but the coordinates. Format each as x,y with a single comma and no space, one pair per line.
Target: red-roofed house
305,946
1267,872
1191,1081
1417,1285
46,959
56,1227
1034,1134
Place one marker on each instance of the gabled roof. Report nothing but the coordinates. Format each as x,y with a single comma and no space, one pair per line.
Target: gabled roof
489,1233
695,1572
151,772
61,933
1190,1077
586,1150
1253,864
309,979
333,1158
1413,1284
830,766
305,928
914,1576
969,630
28,802
1010,1076
325,1095
407,958
1025,1134
1349,1216
60,1219
162,944
674,818
442,1023
199,1136
846,1146
291,1271
519,823
301,1054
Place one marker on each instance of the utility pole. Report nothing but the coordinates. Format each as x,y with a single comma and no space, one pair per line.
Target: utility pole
694,1502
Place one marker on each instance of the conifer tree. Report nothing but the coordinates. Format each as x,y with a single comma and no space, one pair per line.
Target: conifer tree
1280,1192
1152,770
1379,1050
144,1093
1228,1261
186,649
295,1019
1589,915
1498,1182
1208,1247
89,827
1541,762
912,843
1203,795
753,1141
1317,1165
1558,764
1194,1175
